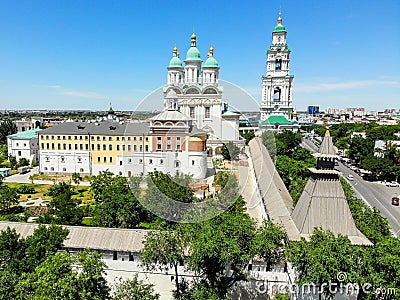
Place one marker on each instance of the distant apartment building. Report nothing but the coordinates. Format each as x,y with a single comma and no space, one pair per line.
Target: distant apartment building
351,111
169,143
24,144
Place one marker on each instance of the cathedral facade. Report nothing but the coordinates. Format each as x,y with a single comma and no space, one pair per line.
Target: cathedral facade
199,94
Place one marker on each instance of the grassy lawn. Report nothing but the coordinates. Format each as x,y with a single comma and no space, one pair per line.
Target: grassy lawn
40,189
82,192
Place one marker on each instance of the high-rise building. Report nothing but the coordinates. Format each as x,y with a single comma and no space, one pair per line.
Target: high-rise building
276,108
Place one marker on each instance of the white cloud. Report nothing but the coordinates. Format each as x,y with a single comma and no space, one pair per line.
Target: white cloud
81,94
346,85
73,93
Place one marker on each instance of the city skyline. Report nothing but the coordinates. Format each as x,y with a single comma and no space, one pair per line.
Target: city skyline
84,55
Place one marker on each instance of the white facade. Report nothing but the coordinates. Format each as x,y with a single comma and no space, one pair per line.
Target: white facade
200,95
66,162
24,145
277,84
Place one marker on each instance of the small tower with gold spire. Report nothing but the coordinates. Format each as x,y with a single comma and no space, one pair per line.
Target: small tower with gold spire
210,68
175,68
193,62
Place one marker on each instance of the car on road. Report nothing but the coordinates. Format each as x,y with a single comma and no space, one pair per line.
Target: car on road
395,201
392,183
350,177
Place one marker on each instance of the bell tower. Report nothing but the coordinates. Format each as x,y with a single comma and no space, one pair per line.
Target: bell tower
277,83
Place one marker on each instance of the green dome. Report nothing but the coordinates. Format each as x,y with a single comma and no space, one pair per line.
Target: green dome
279,28
175,62
211,62
193,54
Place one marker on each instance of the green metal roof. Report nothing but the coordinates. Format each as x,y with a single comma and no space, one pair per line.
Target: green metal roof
25,135
279,28
211,62
175,62
278,119
193,54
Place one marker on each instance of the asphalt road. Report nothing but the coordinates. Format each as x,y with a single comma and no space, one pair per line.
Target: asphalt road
374,194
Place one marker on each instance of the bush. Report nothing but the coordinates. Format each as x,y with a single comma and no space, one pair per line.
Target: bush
26,189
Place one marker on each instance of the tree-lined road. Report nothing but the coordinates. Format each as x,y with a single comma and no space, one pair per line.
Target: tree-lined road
375,194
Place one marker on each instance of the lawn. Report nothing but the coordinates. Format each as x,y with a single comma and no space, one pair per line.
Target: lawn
82,192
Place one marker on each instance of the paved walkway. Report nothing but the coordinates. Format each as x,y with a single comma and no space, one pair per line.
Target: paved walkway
24,178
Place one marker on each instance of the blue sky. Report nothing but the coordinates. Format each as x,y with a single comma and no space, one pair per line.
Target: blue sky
70,54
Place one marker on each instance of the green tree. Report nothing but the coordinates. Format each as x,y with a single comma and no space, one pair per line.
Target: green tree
221,178
163,250
12,250
322,258
268,140
55,278
220,249
8,197
134,289
13,161
7,127
230,151
360,148
268,244
117,205
23,162
76,178
19,256
105,181
118,210
248,136
63,209
44,242
385,258
287,141
294,174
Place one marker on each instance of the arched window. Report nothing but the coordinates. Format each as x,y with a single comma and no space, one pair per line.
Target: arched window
278,64
277,94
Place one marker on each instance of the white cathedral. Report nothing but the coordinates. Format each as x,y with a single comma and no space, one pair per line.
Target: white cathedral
276,110
200,96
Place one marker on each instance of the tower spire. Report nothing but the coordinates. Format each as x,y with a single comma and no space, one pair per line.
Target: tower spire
193,38
280,16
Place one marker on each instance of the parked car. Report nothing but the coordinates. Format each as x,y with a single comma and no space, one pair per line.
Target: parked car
350,177
392,183
395,201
